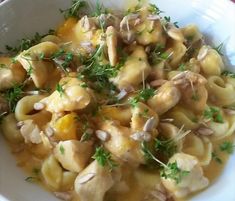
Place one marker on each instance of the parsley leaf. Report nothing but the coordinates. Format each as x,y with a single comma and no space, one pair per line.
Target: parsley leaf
153,9
143,95
227,147
165,147
60,89
104,158
216,158
172,171
13,95
214,114
62,150
219,48
228,74
74,10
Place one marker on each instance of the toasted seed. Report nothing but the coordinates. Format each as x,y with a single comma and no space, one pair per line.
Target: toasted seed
175,34
202,53
153,17
141,136
167,120
102,135
149,124
38,106
36,92
49,131
63,195
205,131
122,94
19,124
85,178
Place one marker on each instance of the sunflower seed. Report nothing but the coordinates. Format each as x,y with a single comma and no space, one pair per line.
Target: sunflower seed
153,17
149,124
102,135
141,136
66,196
122,94
229,111
205,131
38,106
85,178
202,53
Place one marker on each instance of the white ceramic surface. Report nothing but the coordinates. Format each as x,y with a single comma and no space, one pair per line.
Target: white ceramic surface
22,18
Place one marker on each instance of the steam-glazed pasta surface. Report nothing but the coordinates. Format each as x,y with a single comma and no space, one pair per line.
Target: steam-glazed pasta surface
118,106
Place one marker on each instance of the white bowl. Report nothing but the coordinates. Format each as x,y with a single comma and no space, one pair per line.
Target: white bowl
22,18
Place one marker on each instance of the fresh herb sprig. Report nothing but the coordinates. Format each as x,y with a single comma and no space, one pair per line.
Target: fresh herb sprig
227,147
13,95
74,10
165,147
170,170
216,158
219,48
143,95
228,74
213,114
60,89
104,158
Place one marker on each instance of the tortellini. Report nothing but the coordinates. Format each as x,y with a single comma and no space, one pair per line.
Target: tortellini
25,107
210,60
38,69
10,130
11,73
220,91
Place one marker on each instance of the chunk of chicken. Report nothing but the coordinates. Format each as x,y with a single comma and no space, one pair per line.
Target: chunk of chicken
30,132
71,97
135,69
141,115
168,95
93,182
73,155
111,37
192,182
11,73
38,69
121,144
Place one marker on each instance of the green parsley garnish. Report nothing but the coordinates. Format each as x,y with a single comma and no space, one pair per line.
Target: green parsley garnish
13,95
227,147
213,114
219,48
143,95
104,158
182,67
60,89
153,9
229,74
63,59
172,171
216,157
62,150
74,10
165,147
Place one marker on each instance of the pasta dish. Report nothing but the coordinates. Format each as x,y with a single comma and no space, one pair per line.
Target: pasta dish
118,106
